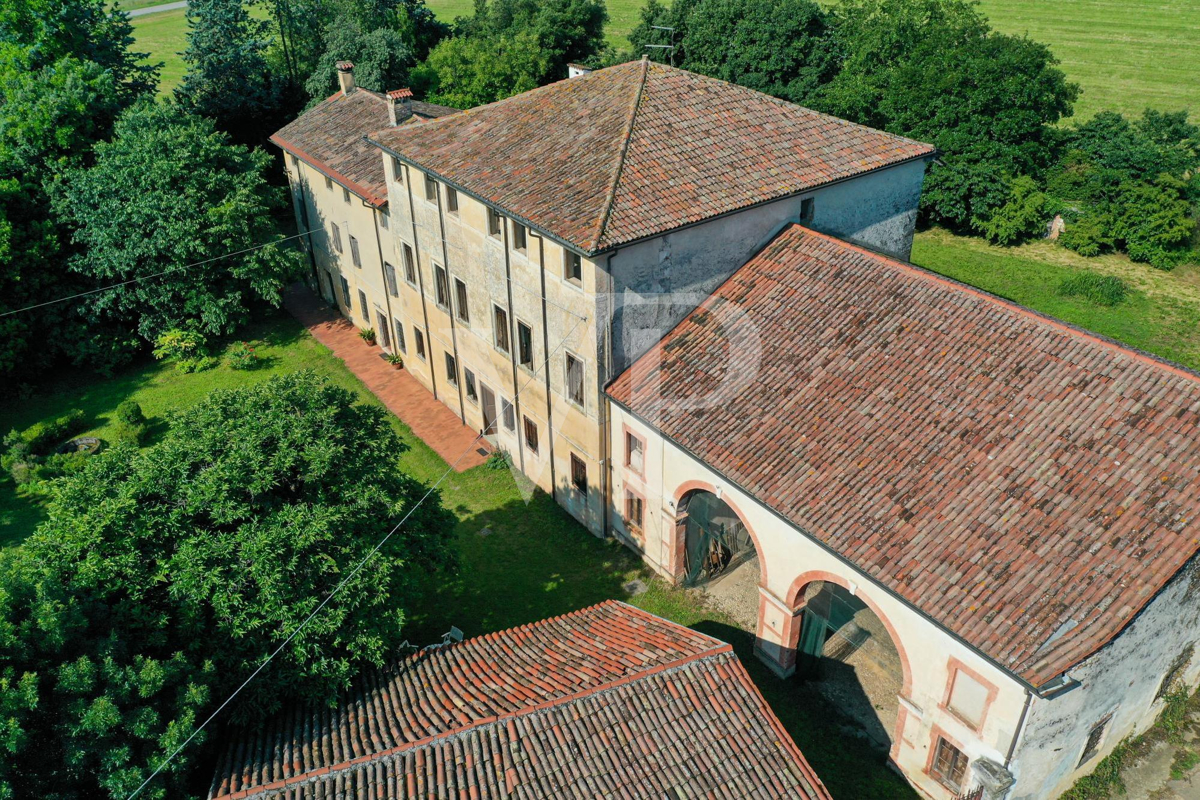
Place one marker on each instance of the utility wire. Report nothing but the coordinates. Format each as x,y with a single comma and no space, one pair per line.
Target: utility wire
358,568
155,275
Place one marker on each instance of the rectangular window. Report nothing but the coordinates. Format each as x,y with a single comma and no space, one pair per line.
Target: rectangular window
397,170
1094,740
469,380
949,765
508,414
574,380
383,219
419,338
460,301
335,236
354,255
531,436
430,189
524,345
295,161
578,473
500,328
329,183
389,274
346,194
808,207
633,511
346,293
410,264
968,698
493,222
572,267
451,200
635,453
362,304
519,236
400,337
442,286
451,370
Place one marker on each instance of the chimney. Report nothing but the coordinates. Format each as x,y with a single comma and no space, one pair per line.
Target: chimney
345,72
575,70
399,105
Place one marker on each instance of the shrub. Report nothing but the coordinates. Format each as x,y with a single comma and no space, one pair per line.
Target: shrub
189,365
242,356
130,413
185,348
1090,235
1105,290
498,460
1023,216
43,437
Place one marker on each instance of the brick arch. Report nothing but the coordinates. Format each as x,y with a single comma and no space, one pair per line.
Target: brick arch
691,486
792,599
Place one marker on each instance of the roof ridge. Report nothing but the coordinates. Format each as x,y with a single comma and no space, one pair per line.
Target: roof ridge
483,722
610,197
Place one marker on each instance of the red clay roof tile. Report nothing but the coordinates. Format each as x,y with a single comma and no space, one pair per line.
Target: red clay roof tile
1025,484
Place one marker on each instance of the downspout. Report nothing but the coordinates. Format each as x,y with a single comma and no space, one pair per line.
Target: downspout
387,296
451,301
606,470
512,348
412,215
546,350
1012,746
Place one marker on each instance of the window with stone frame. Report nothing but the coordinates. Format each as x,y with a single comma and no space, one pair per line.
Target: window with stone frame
524,345
949,764
500,329
574,380
572,267
362,305
634,510
531,435
494,222
355,258
346,195
430,189
469,381
508,415
460,301
635,452
335,236
579,473
346,293
389,274
400,345
397,170
520,238
419,338
410,264
451,200
451,370
441,286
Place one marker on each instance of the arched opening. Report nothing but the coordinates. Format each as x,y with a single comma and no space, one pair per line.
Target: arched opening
719,555
847,653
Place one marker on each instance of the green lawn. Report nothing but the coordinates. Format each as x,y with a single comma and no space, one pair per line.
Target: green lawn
534,563
164,36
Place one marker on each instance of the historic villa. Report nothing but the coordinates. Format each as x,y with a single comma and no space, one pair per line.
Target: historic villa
684,308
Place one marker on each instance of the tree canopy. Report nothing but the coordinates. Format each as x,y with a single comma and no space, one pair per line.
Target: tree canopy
162,577
467,71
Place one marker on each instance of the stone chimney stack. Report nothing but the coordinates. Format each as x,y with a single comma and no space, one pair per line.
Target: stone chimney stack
399,105
345,72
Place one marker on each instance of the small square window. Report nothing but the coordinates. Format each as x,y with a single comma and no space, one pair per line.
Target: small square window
808,207
400,337
519,236
295,161
383,219
346,194
397,170
451,370
451,200
524,345
389,275
329,183
354,254
493,219
574,380
410,264
1094,741
572,267
949,765
441,286
335,236
508,414
469,380
500,328
419,338
430,189
362,305
531,435
635,453
634,510
579,473
460,301
346,294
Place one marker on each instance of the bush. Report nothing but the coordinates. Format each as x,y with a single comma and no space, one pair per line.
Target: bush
185,348
1105,290
1023,216
42,438
130,413
498,460
1090,235
242,356
189,365
367,335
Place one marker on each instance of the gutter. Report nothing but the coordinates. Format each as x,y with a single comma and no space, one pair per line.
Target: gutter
342,180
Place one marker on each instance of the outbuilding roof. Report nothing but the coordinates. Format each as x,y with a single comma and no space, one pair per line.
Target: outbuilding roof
1025,484
329,137
609,701
638,149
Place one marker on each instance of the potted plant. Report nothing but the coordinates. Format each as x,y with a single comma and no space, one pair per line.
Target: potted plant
395,359
367,335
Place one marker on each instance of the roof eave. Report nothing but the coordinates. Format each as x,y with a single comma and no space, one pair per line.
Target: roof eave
355,188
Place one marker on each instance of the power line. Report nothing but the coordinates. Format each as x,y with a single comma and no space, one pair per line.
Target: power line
155,275
358,568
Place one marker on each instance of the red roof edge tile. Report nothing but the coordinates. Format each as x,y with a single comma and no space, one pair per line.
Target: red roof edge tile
317,164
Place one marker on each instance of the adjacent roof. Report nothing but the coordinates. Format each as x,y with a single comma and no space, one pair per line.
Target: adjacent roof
329,137
639,149
609,701
1026,485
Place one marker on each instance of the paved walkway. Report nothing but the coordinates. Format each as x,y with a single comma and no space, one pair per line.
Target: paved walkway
141,12
437,425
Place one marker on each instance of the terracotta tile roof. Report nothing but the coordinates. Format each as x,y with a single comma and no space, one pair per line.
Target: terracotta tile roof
329,137
639,149
1026,485
607,701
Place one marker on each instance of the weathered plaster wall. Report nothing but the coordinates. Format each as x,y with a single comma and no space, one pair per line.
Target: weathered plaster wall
658,281
1121,679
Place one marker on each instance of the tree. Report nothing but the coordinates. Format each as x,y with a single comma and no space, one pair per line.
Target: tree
467,71
169,191
227,75
162,577
382,59
1023,215
565,30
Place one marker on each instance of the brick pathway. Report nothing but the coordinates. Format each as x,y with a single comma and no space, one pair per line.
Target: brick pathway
437,425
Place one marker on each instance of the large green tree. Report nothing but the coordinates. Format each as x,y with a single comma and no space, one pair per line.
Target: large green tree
163,577
565,30
382,58
169,191
467,71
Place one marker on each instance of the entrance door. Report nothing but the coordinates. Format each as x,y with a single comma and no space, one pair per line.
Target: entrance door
327,287
385,332
488,404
